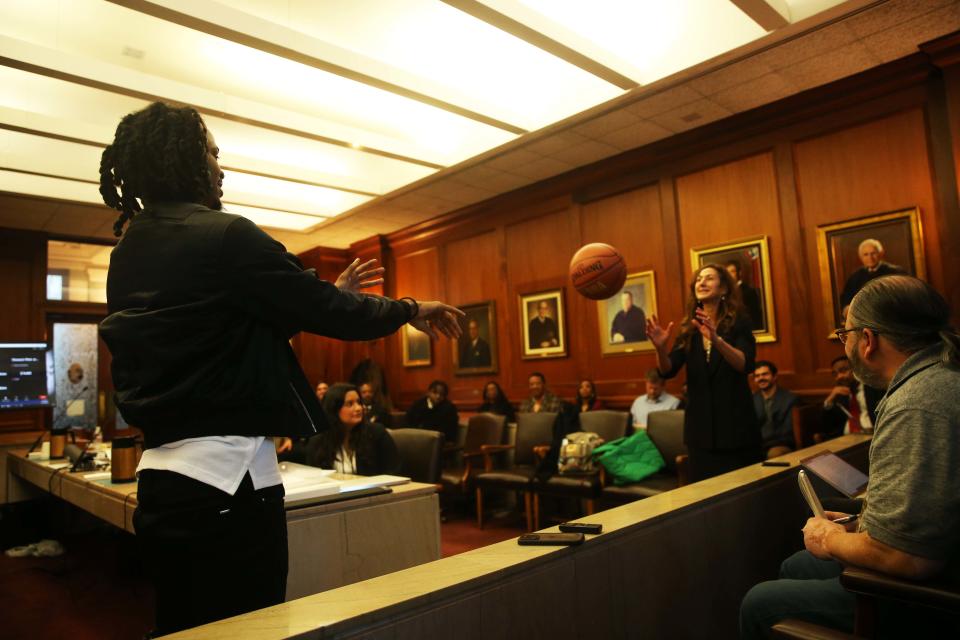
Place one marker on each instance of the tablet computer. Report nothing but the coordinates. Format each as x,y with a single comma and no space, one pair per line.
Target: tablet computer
836,472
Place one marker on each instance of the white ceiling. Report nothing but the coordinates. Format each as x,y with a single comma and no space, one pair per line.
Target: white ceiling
340,119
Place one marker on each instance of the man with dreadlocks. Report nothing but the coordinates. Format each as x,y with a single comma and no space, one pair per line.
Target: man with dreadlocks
202,305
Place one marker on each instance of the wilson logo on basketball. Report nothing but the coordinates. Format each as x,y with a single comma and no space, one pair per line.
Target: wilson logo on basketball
587,269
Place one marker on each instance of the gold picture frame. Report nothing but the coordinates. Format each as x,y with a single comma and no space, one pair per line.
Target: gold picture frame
416,347
899,232
611,316
471,358
549,330
752,257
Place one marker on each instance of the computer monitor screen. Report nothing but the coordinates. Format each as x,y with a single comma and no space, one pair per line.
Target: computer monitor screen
23,375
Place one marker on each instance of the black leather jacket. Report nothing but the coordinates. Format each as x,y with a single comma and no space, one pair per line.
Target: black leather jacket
202,305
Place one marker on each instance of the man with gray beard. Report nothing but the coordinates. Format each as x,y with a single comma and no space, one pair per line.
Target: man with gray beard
897,336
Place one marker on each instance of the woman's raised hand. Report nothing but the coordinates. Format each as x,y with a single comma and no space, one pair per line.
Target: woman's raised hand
706,325
657,334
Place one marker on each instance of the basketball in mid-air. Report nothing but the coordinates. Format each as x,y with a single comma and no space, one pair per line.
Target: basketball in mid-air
598,271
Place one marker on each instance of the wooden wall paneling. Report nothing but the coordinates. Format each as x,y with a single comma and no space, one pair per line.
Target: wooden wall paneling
23,272
322,358
373,248
872,168
633,223
943,138
538,254
473,272
732,201
418,275
797,286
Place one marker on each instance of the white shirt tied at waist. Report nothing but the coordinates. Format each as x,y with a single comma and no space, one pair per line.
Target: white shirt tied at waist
219,461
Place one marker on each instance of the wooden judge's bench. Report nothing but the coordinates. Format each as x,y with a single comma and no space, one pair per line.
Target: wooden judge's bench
331,544
675,565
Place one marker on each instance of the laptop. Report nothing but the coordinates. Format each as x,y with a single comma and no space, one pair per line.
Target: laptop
838,473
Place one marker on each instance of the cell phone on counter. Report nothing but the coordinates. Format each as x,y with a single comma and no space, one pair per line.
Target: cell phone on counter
550,539
581,527
810,495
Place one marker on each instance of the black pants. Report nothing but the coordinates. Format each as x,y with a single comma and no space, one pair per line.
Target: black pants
210,555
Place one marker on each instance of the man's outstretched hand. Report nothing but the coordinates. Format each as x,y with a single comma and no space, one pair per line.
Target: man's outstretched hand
437,318
360,276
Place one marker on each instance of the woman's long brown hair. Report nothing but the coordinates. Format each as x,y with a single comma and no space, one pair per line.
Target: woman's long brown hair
727,309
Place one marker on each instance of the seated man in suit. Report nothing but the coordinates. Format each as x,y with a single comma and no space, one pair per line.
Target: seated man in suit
897,336
850,406
774,407
433,411
373,411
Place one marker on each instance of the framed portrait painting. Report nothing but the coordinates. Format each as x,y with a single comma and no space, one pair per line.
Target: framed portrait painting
622,318
476,350
416,347
748,262
542,325
853,252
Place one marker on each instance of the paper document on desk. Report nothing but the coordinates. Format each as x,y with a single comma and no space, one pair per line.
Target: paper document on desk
367,482
301,482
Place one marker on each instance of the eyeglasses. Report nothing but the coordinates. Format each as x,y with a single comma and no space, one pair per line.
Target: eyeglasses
842,333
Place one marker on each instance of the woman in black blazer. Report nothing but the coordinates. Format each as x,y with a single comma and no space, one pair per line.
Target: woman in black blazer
352,445
717,346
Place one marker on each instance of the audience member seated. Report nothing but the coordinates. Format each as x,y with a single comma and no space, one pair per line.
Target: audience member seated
289,450
897,336
586,399
495,401
351,445
655,399
847,409
774,407
433,411
540,399
373,410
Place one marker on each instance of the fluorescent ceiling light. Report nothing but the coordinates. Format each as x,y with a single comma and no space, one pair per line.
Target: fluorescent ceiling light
274,219
643,39
289,196
196,68
477,65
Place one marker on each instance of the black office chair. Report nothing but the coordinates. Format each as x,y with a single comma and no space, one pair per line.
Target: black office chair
461,464
419,451
533,430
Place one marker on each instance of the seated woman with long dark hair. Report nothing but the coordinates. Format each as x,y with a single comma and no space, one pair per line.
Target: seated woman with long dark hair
495,401
352,445
586,399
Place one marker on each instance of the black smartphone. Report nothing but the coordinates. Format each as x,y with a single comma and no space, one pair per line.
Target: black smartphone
774,463
551,539
700,304
581,527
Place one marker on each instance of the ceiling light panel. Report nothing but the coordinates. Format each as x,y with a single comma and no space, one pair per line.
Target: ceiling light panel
36,154
273,219
238,75
643,39
73,110
464,60
289,196
72,191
